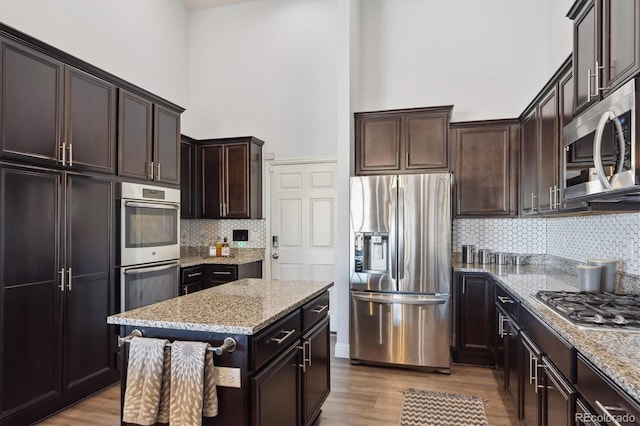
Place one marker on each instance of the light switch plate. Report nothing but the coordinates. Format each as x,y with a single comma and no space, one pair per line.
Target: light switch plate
227,377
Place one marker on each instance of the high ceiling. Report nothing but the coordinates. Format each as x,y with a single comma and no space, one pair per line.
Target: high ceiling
208,4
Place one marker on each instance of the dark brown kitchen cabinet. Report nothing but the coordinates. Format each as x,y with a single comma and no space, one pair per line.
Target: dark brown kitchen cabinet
55,114
486,168
606,47
402,141
474,325
58,287
231,178
191,279
542,150
187,178
316,379
149,140
216,274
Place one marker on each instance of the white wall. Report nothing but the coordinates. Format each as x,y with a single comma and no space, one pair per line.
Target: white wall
560,34
143,42
487,58
267,69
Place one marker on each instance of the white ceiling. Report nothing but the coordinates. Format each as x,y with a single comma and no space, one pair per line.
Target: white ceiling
208,4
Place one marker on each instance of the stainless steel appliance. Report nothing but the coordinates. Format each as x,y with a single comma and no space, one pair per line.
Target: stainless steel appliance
401,270
149,244
595,310
602,159
149,224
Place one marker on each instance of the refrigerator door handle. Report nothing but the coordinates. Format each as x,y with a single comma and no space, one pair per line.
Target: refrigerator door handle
393,244
401,241
390,300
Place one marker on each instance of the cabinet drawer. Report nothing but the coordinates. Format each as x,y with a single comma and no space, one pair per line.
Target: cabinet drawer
315,310
507,301
276,338
603,394
219,274
191,274
559,351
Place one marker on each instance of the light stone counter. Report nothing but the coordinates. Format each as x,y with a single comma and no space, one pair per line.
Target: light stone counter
615,353
239,307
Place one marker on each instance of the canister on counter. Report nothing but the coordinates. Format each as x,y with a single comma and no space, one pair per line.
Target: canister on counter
468,252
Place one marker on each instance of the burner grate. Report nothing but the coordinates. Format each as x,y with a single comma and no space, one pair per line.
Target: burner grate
597,310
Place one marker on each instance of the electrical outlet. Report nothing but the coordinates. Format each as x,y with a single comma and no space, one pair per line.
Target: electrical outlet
227,377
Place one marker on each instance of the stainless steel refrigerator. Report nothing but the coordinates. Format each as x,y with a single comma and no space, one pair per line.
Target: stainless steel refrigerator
401,270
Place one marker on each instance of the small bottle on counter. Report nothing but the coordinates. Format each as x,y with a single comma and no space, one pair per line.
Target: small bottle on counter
218,247
212,249
226,250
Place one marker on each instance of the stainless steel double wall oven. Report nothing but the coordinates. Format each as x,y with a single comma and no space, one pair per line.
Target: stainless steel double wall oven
149,244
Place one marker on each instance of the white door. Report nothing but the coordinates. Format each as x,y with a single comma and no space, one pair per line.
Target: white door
303,214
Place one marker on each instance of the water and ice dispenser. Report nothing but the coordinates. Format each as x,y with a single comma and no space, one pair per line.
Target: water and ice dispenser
371,252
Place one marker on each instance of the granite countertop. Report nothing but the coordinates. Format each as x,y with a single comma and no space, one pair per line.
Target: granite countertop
239,307
186,261
615,353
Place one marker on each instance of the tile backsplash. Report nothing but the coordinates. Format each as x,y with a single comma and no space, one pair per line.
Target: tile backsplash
201,232
613,236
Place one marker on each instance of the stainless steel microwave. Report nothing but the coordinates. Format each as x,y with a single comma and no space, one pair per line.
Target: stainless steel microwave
601,156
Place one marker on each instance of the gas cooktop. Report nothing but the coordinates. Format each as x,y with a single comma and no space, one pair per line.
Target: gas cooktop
606,311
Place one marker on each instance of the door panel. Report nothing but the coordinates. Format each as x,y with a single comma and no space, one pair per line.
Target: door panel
166,142
426,141
378,143
548,153
303,215
134,136
384,329
29,297
237,181
424,225
211,169
89,255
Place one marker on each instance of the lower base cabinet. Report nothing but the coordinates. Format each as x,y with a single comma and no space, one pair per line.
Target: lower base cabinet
315,371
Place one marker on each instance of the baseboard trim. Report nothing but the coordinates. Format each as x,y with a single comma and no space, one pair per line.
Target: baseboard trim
341,350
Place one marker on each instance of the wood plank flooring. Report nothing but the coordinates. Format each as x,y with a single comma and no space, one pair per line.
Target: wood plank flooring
360,395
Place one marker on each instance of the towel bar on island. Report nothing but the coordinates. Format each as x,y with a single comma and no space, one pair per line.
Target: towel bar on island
229,344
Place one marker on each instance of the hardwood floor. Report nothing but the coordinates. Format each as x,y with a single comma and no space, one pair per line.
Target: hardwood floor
360,395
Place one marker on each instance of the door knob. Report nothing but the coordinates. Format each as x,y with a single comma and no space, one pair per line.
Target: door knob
275,255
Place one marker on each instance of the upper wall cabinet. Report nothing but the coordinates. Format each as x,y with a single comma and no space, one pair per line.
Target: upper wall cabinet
402,141
52,113
606,47
230,178
486,162
541,144
187,178
149,140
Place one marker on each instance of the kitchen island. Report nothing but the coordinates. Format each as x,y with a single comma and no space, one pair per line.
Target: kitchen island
279,369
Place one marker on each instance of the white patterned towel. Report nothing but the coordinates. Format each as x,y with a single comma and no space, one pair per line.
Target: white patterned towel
144,380
193,391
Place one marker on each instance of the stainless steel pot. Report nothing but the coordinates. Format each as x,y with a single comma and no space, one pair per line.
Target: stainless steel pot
501,258
468,251
484,256
519,259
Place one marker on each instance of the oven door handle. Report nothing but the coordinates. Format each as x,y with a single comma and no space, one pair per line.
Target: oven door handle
151,205
597,148
151,269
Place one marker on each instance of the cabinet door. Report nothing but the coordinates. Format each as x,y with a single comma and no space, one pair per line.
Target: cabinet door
500,346
529,165
585,49
212,181
377,144
548,152
30,297
485,175
166,145
276,391
559,397
187,174
620,41
565,102
236,181
316,379
135,136
31,109
90,122
90,293
513,364
425,140
475,319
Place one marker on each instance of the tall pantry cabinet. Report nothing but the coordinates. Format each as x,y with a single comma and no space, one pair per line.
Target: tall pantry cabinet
58,184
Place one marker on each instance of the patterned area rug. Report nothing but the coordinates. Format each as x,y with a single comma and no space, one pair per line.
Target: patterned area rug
422,408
